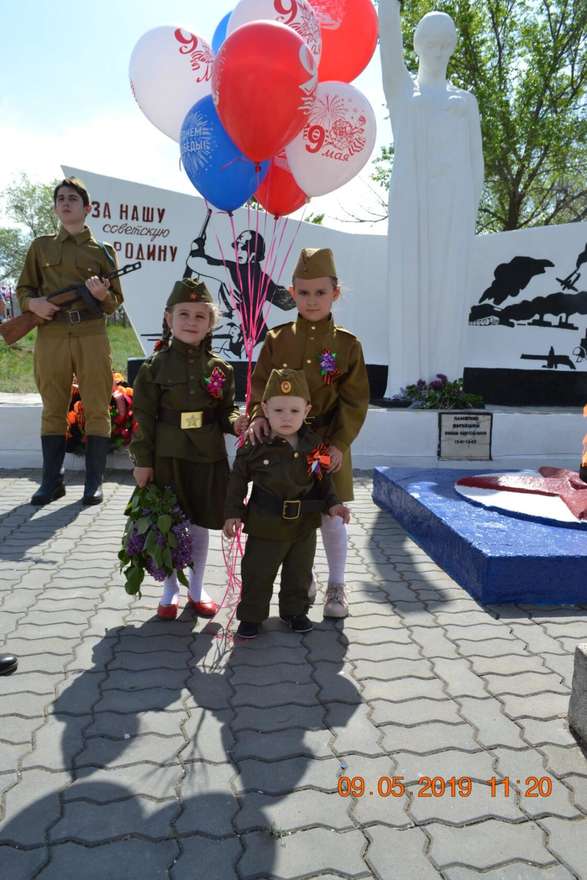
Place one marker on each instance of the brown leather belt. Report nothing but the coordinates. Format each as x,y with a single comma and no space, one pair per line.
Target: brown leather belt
284,507
73,316
187,419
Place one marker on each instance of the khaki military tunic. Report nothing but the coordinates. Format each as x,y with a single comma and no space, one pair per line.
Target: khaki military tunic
192,460
299,345
282,472
65,348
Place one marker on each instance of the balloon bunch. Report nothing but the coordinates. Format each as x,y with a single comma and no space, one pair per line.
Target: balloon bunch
267,110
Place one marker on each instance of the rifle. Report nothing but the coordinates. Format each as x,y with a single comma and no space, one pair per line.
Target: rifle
553,361
16,328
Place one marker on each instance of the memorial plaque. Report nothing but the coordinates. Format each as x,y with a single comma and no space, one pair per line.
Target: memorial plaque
464,435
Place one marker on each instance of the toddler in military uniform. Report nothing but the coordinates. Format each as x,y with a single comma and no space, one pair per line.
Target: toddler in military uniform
291,489
332,360
184,404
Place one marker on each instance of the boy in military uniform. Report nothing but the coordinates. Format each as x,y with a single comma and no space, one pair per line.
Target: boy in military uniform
184,404
291,489
71,340
332,360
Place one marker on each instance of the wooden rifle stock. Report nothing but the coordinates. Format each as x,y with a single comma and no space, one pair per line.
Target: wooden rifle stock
15,328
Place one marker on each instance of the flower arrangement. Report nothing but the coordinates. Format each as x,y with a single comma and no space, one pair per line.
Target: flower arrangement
328,368
215,383
439,394
156,538
121,416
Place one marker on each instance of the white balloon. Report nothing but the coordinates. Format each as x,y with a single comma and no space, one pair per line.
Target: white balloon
336,142
296,14
170,69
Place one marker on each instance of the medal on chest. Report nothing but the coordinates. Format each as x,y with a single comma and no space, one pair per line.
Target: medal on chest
215,383
318,461
328,368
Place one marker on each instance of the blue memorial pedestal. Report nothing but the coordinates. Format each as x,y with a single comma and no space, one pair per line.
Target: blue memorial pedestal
495,557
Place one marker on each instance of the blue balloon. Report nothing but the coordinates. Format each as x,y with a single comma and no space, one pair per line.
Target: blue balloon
215,166
220,33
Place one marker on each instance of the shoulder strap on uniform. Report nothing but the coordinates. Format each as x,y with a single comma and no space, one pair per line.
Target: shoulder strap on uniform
109,257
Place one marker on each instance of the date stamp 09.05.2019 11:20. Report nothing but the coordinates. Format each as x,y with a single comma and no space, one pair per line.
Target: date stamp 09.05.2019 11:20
438,786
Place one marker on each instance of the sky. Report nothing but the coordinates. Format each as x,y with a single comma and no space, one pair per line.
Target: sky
65,97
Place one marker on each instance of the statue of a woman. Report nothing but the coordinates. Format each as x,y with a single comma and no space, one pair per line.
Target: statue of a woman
434,194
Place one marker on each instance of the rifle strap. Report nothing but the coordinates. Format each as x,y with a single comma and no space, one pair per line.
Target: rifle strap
107,253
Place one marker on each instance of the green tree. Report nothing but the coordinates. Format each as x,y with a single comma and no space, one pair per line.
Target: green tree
30,208
526,62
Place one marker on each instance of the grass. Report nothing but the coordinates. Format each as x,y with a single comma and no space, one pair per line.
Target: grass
16,361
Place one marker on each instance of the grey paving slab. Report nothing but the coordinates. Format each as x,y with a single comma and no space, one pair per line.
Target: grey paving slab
564,841
214,859
138,748
302,853
552,797
131,859
514,871
487,844
385,847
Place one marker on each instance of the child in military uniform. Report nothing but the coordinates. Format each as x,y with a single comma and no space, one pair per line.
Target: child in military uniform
71,340
184,403
332,360
290,492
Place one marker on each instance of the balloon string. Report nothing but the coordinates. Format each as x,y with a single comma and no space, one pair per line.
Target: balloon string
252,312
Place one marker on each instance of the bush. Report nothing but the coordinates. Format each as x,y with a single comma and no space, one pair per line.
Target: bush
439,394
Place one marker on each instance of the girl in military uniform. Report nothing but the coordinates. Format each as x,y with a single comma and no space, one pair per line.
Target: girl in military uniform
332,360
291,489
184,404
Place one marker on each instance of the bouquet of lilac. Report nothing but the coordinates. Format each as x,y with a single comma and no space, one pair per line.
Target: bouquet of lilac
156,538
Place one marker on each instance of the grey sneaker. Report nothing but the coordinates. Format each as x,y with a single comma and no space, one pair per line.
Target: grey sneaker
312,590
336,604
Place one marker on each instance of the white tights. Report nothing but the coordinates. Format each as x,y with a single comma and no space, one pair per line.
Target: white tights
334,538
200,540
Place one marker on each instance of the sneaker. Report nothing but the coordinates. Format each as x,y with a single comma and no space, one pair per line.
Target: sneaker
299,623
247,630
312,590
336,604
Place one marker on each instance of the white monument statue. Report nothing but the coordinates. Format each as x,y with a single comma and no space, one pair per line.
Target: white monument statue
433,199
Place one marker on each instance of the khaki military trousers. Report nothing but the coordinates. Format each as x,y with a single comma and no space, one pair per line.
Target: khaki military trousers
259,567
58,357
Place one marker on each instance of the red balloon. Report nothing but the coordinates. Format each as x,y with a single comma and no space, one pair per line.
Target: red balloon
349,31
279,194
263,84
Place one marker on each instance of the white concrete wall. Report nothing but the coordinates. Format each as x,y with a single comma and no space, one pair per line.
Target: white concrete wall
389,438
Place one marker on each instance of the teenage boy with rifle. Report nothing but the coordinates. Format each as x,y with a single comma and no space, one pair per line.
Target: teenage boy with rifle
72,339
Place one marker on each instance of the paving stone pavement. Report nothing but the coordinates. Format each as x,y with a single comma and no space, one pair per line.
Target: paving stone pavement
138,749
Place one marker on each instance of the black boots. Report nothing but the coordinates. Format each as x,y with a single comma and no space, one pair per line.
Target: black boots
96,452
51,487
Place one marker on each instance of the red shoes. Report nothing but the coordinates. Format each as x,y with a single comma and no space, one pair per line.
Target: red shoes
204,609
167,612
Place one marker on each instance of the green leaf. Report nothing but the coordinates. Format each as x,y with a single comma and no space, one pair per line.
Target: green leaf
164,523
134,578
150,544
171,540
181,577
142,525
167,560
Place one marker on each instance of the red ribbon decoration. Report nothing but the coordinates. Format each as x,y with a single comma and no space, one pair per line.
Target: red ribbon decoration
317,459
